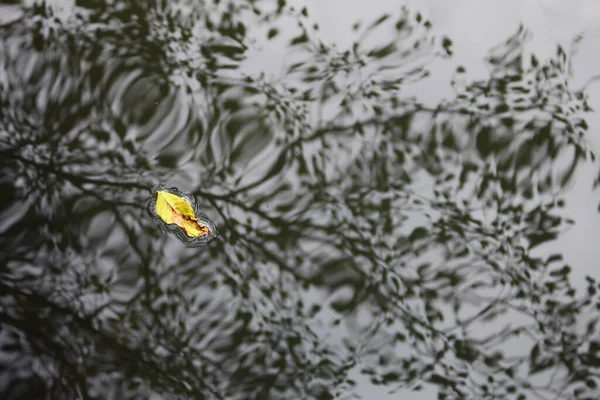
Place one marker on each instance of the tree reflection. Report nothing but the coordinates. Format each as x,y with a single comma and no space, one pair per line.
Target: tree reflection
360,230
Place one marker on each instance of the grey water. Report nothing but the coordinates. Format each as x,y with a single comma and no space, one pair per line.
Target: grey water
405,198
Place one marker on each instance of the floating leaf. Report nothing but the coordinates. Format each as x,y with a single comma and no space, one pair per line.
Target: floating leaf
176,212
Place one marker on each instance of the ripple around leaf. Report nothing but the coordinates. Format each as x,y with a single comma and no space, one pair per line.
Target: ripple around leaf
175,229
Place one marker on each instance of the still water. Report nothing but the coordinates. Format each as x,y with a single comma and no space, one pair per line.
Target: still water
382,232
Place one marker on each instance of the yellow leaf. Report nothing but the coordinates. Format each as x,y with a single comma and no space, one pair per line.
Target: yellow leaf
174,210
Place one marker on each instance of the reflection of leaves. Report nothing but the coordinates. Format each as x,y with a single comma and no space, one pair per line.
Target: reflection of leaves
538,361
411,222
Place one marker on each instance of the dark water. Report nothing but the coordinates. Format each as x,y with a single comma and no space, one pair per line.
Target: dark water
363,236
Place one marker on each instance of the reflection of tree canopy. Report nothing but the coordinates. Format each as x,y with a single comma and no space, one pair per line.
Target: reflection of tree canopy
361,231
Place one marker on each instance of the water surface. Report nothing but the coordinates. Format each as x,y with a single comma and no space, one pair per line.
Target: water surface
368,239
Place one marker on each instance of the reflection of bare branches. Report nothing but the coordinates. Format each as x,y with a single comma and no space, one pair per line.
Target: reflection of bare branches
111,346
423,230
